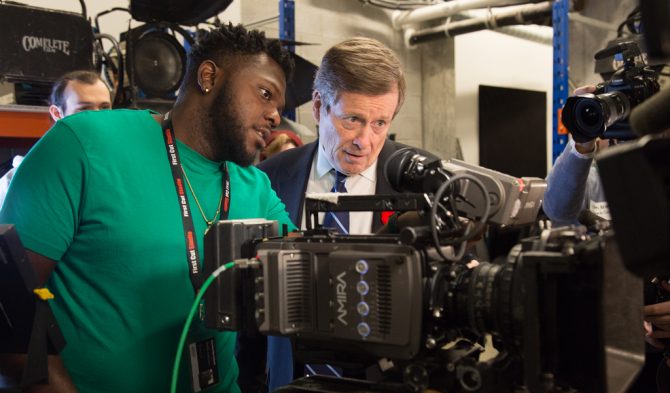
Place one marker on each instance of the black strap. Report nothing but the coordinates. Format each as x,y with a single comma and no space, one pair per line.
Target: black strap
192,254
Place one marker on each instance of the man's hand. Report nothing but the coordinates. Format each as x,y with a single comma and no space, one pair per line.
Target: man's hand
588,89
11,369
657,315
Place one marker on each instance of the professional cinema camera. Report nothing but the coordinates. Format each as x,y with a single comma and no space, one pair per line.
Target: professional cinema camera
408,303
603,113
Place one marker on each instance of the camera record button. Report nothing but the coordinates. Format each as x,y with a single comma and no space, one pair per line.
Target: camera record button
362,266
362,288
363,308
363,329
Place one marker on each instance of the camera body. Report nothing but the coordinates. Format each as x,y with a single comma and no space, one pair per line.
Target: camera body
410,303
364,292
353,300
603,114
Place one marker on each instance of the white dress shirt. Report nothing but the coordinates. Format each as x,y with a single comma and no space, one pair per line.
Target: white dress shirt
322,178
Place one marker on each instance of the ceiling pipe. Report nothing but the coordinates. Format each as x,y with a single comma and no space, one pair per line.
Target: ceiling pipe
576,17
536,33
519,15
540,34
443,10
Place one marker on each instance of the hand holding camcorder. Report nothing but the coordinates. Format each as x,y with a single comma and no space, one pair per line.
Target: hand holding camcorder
658,315
603,113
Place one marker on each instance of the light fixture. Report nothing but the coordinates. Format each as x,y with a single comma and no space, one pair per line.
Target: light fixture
156,60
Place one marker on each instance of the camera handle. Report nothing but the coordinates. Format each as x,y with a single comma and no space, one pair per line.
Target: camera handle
628,49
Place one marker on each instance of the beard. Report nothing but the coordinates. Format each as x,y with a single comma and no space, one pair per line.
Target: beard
225,132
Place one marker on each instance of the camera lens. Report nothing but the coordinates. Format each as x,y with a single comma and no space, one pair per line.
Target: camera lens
589,117
616,106
481,298
589,114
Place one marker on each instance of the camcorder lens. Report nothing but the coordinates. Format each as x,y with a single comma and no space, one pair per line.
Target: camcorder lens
481,299
617,106
589,117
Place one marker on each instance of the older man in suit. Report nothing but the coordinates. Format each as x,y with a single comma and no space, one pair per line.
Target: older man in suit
358,90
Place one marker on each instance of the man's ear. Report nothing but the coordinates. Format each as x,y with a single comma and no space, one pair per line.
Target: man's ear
316,105
55,112
207,76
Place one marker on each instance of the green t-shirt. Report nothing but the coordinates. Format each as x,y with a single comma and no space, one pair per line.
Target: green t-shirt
96,195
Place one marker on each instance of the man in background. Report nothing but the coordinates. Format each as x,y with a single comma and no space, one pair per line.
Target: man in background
74,92
78,91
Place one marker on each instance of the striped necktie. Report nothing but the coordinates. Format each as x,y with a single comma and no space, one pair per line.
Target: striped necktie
338,220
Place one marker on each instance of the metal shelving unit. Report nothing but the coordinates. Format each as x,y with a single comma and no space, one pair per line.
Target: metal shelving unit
560,93
287,32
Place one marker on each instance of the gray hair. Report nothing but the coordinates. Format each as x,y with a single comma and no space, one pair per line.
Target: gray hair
359,65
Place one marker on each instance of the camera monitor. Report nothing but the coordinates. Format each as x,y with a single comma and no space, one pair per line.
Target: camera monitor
27,324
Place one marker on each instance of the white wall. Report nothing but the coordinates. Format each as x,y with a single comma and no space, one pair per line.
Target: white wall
494,59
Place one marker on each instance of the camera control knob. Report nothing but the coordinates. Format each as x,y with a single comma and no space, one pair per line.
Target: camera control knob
259,284
363,329
362,288
363,308
362,266
259,315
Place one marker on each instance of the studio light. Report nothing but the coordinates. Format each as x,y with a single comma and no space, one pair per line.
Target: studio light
156,59
155,54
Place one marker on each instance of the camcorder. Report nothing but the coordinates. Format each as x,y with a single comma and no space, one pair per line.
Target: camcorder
603,114
561,311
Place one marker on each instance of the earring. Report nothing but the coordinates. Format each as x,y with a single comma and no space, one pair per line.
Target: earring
206,90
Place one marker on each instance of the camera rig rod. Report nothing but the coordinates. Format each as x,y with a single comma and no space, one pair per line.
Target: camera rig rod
315,203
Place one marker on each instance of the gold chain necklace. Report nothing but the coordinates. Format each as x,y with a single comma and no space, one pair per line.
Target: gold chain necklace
202,213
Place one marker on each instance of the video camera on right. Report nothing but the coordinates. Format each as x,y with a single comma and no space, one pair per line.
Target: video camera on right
561,311
604,113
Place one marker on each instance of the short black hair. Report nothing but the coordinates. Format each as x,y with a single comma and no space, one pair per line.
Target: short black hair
84,76
223,43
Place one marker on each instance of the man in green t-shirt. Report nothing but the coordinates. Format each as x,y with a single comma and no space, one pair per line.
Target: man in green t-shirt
112,207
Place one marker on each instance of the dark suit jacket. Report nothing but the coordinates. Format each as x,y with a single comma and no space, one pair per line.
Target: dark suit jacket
289,173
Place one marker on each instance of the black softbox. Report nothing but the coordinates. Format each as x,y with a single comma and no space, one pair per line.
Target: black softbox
183,12
299,89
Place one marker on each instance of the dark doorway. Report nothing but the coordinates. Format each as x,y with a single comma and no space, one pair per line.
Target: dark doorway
513,131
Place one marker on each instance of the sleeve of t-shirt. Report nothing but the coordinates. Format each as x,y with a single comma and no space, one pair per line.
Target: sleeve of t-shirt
46,193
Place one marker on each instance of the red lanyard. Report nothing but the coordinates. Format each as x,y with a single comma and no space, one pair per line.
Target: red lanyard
192,254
